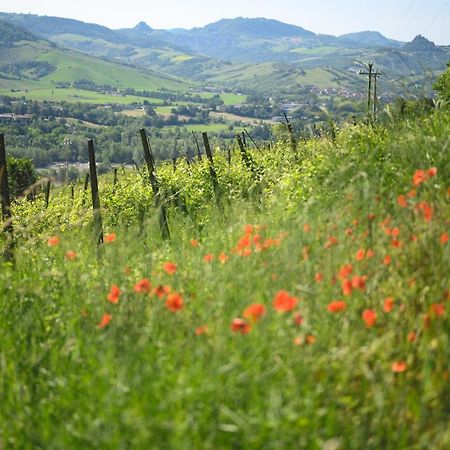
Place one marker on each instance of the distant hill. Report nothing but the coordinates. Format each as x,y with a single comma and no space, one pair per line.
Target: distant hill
368,39
421,44
10,34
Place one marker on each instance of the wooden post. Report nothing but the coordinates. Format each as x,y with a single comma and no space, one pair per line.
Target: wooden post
4,186
150,161
116,179
212,170
6,201
199,153
243,139
72,191
174,164
254,142
245,157
98,226
47,192
229,155
291,134
86,182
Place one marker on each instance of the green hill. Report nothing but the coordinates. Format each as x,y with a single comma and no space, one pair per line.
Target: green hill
29,64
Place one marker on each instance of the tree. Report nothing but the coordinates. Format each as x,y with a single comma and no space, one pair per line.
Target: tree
442,85
21,175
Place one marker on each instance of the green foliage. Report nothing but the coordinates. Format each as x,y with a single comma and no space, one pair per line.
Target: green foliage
442,85
21,175
146,380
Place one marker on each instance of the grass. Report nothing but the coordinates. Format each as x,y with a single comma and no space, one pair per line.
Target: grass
307,378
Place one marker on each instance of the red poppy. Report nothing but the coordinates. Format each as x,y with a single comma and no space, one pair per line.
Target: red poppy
174,302
201,330
359,282
283,302
331,240
298,341
306,228
254,312
444,238
248,229
402,201
345,271
143,286
298,319
194,243
412,193
319,277
412,336
432,172
419,177
160,291
53,241
336,306
208,258
370,254
169,267
71,255
398,366
109,238
347,288
244,241
106,318
388,304
370,317
387,260
360,254
223,258
310,339
438,309
114,294
240,326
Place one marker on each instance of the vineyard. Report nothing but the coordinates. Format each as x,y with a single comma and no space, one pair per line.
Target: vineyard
301,301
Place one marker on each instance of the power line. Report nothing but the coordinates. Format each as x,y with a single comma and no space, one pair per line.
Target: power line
441,10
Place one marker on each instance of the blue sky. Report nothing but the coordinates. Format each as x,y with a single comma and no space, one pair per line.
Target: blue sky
398,19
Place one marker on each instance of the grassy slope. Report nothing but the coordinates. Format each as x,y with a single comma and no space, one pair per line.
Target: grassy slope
147,381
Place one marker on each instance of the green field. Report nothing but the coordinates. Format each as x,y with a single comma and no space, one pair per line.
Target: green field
302,304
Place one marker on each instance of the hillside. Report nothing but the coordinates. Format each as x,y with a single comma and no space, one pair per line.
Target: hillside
301,304
32,65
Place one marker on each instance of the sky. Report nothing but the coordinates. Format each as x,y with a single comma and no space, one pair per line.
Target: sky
396,19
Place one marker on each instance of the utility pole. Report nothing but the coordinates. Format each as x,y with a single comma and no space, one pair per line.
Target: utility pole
372,75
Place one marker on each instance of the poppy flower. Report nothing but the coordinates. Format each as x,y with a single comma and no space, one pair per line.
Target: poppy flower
412,193
114,294
419,177
387,260
347,287
248,229
398,366
402,201
318,277
444,238
310,339
359,282
388,304
244,241
223,258
412,336
283,302
254,312
109,238
306,228
438,309
336,306
71,255
201,330
360,254
432,172
170,267
345,271
298,341
194,243
208,258
143,286
160,291
298,319
106,318
370,254
53,241
370,317
331,240
305,252
174,302
240,326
